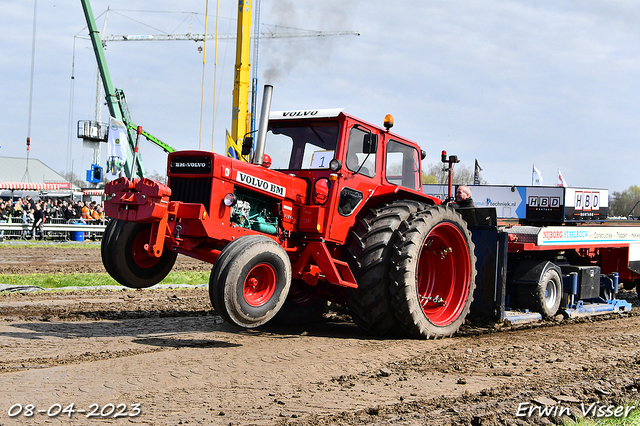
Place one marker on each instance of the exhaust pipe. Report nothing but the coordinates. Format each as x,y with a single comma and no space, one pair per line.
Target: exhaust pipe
264,124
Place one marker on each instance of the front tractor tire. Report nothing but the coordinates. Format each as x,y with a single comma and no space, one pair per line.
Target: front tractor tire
126,260
107,246
250,281
433,273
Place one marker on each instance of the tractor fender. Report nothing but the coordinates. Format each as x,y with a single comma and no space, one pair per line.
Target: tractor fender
530,272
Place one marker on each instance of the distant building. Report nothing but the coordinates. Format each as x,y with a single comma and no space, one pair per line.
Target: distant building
12,169
15,181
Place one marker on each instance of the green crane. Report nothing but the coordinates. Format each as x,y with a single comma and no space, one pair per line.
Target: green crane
116,100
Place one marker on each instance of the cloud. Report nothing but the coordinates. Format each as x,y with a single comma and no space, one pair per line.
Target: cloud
510,83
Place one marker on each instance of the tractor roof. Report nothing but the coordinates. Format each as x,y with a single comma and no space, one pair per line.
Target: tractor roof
309,113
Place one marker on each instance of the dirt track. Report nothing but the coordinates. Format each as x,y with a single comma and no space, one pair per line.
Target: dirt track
51,259
170,353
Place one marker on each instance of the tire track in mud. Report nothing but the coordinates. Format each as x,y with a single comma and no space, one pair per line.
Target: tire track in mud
168,351
331,375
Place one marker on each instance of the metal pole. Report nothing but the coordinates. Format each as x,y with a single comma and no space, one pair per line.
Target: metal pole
135,153
264,124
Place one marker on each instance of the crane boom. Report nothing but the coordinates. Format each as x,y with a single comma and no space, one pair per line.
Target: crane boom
115,100
242,78
98,49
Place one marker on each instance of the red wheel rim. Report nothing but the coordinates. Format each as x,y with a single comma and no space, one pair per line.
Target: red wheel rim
443,274
140,254
259,285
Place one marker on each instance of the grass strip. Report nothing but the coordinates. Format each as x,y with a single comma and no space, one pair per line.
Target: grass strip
632,420
49,245
85,280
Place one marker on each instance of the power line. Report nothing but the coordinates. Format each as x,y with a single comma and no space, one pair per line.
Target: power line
264,35
26,177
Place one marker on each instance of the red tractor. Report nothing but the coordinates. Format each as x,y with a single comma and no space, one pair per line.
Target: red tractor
339,216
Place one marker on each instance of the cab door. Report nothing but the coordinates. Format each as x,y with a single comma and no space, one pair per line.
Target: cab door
401,164
360,175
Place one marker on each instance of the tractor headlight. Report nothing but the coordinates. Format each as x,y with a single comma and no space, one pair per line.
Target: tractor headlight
335,165
230,200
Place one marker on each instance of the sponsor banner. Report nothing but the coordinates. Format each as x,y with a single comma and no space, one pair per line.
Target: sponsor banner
586,204
62,185
261,184
508,201
540,203
545,203
521,202
562,235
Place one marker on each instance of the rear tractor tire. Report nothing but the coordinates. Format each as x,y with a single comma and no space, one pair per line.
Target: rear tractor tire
126,260
250,281
433,274
371,248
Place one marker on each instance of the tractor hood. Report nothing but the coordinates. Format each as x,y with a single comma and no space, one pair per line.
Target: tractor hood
188,165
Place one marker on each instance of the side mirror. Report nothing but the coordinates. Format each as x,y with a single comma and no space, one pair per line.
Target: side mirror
247,144
370,143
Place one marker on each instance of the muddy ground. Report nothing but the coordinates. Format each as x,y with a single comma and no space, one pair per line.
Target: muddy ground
50,258
168,352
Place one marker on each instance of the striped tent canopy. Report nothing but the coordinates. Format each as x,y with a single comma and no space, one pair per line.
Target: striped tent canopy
22,186
96,192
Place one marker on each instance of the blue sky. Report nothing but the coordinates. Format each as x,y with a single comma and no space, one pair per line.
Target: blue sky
509,83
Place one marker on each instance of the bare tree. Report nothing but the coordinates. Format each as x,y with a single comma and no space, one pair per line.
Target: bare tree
74,179
622,203
162,178
462,175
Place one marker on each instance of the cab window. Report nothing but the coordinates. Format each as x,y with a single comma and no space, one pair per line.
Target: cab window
402,165
357,160
302,145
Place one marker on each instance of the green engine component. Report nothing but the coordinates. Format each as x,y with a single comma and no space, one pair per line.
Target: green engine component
255,212
261,224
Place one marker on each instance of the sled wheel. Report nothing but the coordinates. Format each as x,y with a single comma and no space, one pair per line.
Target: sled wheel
606,294
370,248
434,274
250,281
303,306
131,265
545,297
551,292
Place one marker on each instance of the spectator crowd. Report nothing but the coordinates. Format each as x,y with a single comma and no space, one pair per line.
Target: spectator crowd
39,212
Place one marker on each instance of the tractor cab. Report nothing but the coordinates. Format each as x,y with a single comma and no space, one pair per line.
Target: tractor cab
345,162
